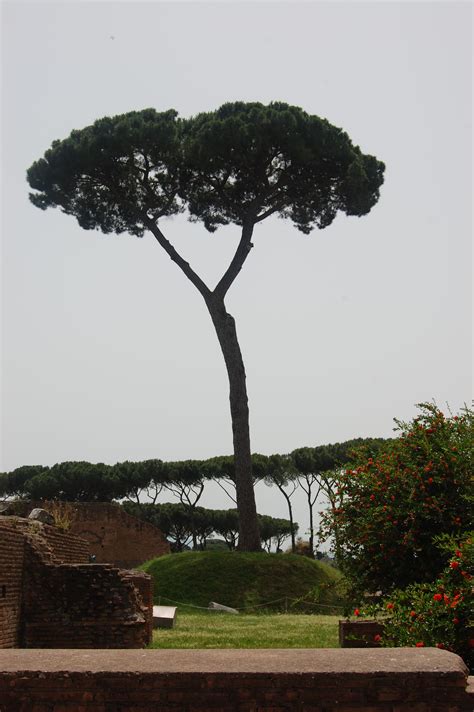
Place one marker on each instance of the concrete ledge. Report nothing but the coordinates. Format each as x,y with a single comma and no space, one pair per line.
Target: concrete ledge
406,661
313,680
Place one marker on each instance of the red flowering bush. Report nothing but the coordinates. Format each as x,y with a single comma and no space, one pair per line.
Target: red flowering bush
438,614
392,506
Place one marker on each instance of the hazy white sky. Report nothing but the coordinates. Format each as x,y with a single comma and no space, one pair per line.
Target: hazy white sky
109,353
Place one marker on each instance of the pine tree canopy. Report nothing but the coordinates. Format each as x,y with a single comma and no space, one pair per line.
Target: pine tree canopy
238,165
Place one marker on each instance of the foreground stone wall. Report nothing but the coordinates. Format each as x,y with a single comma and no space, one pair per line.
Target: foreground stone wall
388,680
54,599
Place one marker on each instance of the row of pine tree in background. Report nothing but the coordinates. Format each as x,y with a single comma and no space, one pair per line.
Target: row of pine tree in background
141,484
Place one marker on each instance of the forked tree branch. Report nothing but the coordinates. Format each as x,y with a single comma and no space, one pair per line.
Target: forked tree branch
237,262
221,289
176,257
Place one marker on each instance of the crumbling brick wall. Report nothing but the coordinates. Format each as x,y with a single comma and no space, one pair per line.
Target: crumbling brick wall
81,606
144,585
116,537
66,547
52,602
57,545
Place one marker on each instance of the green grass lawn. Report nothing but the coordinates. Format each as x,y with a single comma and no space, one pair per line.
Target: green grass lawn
222,630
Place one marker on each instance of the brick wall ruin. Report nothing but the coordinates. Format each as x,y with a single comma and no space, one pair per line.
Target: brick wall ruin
55,599
12,551
114,536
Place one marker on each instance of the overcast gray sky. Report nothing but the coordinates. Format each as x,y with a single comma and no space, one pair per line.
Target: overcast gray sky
109,353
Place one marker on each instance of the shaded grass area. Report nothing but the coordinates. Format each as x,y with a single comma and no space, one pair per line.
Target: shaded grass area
221,630
283,582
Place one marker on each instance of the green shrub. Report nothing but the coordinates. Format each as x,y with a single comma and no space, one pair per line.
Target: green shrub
438,614
392,507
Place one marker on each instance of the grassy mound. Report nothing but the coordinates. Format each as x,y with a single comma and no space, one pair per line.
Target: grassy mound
247,580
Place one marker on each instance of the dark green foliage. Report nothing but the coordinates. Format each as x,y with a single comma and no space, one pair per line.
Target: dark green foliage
245,161
391,508
140,477
274,531
438,614
226,525
222,467
241,162
66,481
80,481
172,518
240,579
315,471
76,482
325,458
14,484
108,174
181,524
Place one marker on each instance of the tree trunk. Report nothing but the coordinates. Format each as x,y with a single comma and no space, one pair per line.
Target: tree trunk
290,514
224,324
311,527
249,537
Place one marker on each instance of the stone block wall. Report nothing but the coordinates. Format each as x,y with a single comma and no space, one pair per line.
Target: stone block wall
12,550
331,680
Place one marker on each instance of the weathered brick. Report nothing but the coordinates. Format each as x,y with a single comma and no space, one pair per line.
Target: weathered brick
64,601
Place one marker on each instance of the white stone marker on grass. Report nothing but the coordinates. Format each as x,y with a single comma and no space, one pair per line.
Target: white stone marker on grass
164,616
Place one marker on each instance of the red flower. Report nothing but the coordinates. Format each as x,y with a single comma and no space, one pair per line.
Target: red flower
372,497
454,564
440,646
420,644
389,606
412,614
356,612
459,554
437,597
430,480
456,621
377,638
